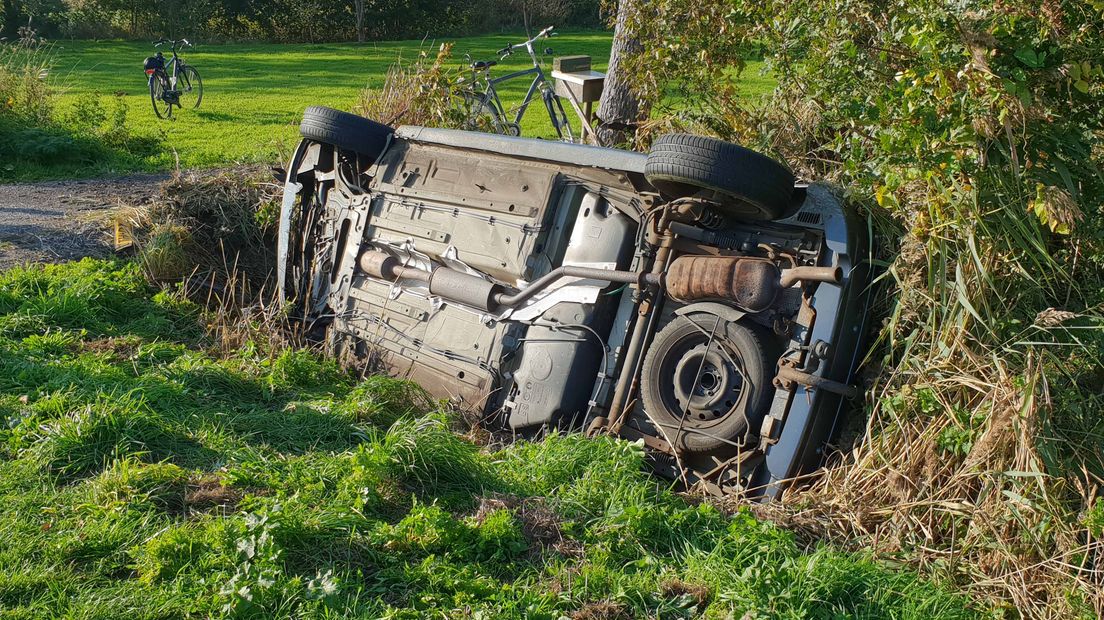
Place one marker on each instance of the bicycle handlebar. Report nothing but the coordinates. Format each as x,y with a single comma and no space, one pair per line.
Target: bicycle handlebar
175,42
509,49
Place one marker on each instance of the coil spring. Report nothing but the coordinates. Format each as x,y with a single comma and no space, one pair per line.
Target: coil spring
710,219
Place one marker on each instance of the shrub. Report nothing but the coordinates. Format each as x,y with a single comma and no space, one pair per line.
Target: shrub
969,136
420,93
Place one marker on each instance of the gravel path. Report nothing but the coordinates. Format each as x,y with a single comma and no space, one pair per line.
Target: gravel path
54,221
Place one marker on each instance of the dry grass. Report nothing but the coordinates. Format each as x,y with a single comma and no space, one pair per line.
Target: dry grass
991,519
213,234
969,467
418,93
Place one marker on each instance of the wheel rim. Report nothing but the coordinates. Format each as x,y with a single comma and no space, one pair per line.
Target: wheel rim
706,386
191,88
157,91
708,383
482,116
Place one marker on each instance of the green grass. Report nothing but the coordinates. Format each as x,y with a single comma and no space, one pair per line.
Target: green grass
255,93
144,476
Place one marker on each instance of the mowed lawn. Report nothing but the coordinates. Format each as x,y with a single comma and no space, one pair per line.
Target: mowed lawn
254,94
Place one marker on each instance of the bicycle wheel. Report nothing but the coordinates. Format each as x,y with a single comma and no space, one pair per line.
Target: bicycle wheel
162,108
558,117
190,86
483,115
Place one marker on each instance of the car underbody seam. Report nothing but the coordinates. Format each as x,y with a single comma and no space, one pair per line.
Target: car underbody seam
409,203
418,342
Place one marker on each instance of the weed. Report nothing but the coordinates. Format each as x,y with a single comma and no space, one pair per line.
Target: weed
33,133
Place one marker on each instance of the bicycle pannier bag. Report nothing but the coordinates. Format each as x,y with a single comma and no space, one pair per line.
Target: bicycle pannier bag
154,63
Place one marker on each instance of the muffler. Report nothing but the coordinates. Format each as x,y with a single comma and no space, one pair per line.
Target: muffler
443,282
751,284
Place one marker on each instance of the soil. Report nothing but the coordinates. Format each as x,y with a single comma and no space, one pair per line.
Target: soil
55,221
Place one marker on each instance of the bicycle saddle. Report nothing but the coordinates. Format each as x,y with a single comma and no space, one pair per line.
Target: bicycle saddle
480,65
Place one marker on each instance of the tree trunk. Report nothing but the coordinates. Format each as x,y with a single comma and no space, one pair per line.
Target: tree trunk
620,109
359,6
12,20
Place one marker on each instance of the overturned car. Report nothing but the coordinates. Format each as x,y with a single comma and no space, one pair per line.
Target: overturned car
694,297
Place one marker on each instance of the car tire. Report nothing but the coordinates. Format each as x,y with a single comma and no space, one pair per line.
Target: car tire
748,185
716,420
346,131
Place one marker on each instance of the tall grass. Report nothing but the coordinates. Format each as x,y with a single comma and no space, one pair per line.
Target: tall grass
968,135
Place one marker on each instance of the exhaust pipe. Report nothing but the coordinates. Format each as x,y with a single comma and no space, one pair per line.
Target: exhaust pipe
483,294
751,284
790,277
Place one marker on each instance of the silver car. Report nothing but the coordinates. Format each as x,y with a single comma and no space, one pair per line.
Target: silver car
695,297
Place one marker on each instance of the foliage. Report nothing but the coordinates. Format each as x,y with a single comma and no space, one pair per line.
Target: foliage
290,20
969,134
420,93
33,132
143,476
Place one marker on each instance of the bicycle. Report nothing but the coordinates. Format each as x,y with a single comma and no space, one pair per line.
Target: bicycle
485,111
175,83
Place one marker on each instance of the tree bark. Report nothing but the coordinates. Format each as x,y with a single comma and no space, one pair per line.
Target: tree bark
620,108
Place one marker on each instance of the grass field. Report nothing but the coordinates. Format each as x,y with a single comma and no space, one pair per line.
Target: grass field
255,93
144,474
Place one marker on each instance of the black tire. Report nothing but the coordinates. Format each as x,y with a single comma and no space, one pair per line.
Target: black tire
346,131
161,108
190,86
747,184
720,411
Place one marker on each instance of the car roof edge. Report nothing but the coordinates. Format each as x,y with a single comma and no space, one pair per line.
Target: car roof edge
531,148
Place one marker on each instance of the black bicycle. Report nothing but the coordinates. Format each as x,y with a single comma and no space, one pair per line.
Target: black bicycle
174,83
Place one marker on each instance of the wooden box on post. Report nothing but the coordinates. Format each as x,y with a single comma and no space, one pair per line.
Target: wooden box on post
580,86
575,80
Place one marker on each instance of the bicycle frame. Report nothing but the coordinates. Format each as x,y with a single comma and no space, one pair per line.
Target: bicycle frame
490,96
492,91
177,64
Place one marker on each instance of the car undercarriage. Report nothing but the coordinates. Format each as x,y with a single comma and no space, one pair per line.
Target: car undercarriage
695,297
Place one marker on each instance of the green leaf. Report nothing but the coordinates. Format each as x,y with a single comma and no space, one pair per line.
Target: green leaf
1028,57
1082,86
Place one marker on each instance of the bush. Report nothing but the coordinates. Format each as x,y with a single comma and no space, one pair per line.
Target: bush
969,136
420,93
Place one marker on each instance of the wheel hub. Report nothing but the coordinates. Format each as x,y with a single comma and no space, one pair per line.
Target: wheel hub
707,386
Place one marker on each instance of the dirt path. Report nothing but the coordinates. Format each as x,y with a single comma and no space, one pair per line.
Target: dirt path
54,221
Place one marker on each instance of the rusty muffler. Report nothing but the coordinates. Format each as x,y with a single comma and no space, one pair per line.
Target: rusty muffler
751,284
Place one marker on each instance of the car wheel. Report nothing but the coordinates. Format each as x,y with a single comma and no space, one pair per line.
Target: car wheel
705,392
346,131
747,185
